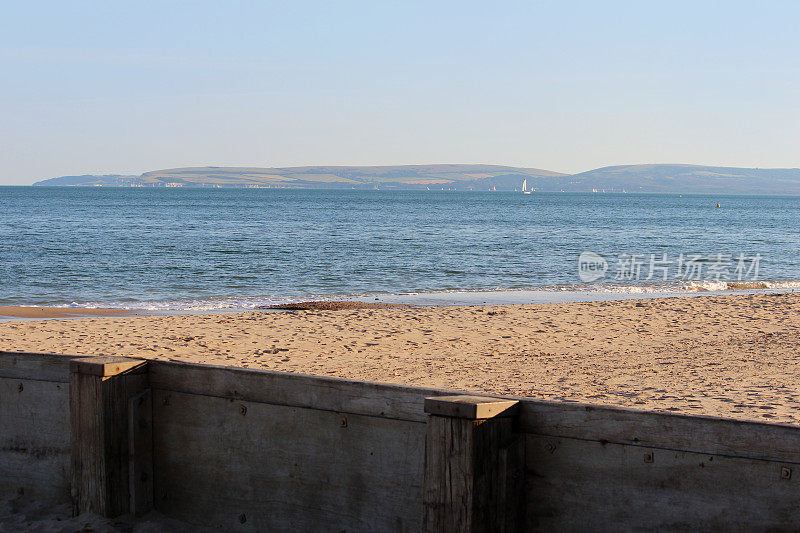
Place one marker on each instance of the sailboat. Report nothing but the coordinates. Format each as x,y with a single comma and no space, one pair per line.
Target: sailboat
525,186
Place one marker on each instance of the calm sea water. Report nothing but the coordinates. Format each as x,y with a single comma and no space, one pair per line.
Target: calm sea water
220,248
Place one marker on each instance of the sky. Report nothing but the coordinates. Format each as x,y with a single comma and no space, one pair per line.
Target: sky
127,87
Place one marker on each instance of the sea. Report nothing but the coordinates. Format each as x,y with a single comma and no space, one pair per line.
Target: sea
177,250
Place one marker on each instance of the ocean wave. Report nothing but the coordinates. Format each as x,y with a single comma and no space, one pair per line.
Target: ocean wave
177,305
701,286
496,295
688,286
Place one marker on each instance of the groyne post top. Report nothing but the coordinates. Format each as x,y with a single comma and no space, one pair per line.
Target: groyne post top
100,390
105,366
470,407
474,471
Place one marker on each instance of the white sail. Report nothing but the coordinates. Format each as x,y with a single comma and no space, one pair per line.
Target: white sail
524,185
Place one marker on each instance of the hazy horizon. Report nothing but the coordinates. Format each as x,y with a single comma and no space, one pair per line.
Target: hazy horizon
402,165
95,88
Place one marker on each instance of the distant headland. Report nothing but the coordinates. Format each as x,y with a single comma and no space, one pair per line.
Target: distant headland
655,178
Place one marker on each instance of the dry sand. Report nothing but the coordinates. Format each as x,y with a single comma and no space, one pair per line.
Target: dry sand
732,356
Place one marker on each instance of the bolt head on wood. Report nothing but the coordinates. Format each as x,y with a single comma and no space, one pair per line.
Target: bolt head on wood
470,407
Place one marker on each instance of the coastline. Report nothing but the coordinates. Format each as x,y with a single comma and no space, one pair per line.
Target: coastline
451,298
43,312
721,355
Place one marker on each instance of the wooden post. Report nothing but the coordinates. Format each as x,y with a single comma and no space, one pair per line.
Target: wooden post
140,453
474,471
100,390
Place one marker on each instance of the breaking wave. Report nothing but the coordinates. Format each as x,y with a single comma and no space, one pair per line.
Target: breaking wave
497,295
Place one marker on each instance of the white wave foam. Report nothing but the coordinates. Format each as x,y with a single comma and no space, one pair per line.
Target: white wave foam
497,294
700,286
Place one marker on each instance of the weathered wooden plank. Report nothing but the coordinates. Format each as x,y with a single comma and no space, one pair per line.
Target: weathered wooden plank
140,452
577,485
511,483
612,424
464,480
473,465
99,438
374,399
237,465
701,434
448,495
34,439
44,367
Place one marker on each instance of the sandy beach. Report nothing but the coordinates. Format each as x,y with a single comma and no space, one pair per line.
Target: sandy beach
18,513
731,356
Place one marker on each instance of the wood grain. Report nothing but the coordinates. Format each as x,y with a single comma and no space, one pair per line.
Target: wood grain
356,397
705,435
34,439
140,452
42,367
467,476
578,485
246,466
99,441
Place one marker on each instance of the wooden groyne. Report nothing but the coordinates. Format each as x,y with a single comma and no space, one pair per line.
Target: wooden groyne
251,450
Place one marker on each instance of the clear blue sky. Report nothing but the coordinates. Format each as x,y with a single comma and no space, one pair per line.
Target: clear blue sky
125,87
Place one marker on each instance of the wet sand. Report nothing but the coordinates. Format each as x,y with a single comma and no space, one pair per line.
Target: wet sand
731,356
330,306
19,311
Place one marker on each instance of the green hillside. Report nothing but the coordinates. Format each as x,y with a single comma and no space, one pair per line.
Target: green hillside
462,177
687,179
665,178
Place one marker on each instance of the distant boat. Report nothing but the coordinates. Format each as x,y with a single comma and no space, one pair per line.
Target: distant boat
525,187
492,189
